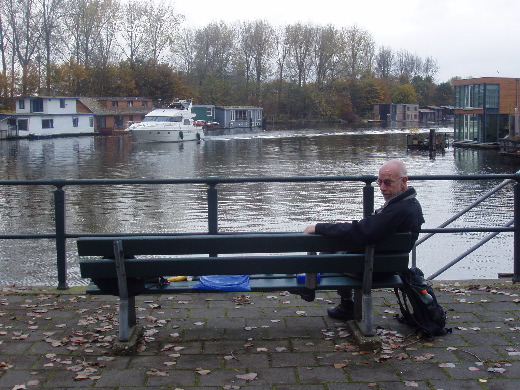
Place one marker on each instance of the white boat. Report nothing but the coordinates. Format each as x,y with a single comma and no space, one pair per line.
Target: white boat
171,124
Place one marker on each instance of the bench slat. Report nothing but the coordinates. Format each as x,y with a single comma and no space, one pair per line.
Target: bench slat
244,265
231,243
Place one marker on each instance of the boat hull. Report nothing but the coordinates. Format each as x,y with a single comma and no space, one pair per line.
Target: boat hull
158,135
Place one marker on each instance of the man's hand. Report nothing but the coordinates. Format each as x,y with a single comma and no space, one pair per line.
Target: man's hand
310,229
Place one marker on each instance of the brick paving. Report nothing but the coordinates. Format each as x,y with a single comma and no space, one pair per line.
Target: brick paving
52,339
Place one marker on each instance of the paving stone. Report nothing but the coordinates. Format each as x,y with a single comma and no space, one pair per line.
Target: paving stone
329,374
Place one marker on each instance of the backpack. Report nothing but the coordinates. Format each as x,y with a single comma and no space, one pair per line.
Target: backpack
427,316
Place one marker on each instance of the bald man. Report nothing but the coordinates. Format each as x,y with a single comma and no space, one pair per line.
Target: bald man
401,213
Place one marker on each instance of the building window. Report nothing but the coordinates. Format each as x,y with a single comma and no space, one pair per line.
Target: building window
209,112
37,105
492,95
115,103
240,115
130,104
144,103
91,121
62,103
23,124
21,104
75,122
47,123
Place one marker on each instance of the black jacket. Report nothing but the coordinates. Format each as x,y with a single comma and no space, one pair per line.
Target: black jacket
402,214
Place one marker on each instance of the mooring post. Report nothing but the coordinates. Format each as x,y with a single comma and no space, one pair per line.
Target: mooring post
61,251
516,232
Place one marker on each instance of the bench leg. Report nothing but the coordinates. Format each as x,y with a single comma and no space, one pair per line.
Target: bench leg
368,315
127,317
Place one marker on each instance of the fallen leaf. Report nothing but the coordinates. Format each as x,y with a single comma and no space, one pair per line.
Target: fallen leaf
248,377
447,365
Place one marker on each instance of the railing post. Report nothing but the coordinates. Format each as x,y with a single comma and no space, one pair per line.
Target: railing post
516,234
212,207
368,199
61,251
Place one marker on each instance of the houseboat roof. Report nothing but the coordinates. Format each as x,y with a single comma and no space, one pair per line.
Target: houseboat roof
97,108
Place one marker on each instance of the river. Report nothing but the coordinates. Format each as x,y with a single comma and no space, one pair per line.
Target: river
332,151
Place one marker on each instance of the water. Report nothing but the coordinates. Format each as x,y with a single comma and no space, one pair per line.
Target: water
242,207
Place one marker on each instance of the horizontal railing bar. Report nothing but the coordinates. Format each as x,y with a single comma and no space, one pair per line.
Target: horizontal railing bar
218,180
78,235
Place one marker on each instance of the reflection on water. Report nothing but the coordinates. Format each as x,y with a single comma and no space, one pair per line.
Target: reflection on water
242,207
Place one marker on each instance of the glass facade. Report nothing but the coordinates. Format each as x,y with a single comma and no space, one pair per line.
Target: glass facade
485,126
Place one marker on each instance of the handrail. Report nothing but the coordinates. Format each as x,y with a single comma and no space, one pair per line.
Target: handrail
62,235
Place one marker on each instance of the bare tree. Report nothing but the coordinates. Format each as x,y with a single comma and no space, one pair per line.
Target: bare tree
184,50
162,25
52,14
133,30
430,67
24,18
359,53
408,64
3,40
214,48
300,39
257,46
327,51
281,51
90,24
384,62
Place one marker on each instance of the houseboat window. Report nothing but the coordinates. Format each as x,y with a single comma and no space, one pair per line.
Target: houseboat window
47,123
186,121
492,95
240,115
130,104
91,121
23,124
115,103
175,119
37,105
209,112
62,103
75,122
144,103
21,104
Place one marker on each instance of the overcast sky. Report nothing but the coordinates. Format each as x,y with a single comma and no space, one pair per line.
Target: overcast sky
468,38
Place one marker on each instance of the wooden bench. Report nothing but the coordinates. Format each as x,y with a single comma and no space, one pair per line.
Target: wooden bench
272,260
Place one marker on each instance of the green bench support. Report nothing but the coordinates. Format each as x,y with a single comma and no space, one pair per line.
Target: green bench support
272,260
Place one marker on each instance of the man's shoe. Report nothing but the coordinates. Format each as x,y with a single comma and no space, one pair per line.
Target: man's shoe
344,311
307,294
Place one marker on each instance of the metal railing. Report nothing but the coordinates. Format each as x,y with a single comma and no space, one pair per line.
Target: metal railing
61,235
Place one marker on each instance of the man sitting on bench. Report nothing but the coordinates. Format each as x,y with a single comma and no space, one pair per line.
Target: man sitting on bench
401,213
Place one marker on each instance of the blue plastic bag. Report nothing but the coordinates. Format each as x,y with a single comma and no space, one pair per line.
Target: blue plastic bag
223,283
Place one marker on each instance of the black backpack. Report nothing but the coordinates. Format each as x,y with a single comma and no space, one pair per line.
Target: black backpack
427,316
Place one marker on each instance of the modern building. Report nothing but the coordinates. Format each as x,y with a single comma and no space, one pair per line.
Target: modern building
485,108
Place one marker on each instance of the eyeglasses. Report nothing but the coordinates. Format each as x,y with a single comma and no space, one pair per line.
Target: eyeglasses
386,182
